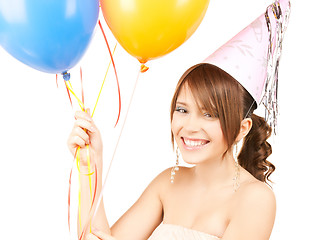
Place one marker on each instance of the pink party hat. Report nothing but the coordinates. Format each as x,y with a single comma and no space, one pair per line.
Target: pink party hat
252,56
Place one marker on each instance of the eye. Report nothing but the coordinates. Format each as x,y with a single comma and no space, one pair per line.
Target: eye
209,115
180,110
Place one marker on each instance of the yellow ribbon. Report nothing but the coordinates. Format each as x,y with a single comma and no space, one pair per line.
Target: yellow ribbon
82,106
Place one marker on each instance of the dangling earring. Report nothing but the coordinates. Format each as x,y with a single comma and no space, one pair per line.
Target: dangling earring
237,171
175,168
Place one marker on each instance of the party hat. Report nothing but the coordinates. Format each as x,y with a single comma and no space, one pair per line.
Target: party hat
252,56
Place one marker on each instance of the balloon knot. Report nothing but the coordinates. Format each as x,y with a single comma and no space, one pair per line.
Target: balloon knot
66,76
144,68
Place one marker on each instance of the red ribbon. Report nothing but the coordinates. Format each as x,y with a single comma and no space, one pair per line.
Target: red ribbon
118,85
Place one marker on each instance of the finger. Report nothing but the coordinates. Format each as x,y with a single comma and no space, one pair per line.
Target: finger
79,132
81,123
83,115
78,137
78,142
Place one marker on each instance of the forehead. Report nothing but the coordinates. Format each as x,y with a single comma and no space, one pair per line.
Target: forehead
185,94
198,97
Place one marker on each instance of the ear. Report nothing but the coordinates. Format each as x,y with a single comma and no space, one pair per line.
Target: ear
245,127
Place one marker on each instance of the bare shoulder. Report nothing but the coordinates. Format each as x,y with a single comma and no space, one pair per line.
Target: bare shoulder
252,190
257,198
256,191
252,213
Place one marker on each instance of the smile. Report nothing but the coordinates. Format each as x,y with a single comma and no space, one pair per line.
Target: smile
194,143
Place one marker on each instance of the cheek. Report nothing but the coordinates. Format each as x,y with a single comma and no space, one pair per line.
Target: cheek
216,131
174,126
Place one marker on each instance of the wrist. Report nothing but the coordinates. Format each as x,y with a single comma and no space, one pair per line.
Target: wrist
90,170
91,176
90,159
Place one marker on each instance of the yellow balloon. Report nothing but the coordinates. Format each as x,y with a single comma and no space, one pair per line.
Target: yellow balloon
148,29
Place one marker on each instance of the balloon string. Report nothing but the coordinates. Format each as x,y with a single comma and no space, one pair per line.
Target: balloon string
81,103
103,83
77,157
69,87
92,204
68,93
82,90
89,170
118,85
82,106
90,188
110,165
119,137
79,190
69,198
89,177
56,78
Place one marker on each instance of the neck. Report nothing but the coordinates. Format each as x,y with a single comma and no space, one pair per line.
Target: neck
219,172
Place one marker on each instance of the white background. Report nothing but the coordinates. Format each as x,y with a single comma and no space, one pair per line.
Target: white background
36,118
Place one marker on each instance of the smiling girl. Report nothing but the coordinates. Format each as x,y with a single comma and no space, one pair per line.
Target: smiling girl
225,195
216,198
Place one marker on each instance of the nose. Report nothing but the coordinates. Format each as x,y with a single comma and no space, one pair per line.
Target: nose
192,123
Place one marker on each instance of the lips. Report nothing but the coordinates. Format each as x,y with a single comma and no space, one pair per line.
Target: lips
193,144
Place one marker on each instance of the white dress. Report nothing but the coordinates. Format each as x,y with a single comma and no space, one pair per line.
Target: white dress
174,232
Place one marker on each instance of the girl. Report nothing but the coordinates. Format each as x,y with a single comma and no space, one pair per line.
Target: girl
223,196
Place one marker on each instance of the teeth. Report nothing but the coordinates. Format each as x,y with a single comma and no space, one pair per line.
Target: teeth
194,143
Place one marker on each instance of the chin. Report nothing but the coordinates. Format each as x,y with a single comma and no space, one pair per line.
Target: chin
190,158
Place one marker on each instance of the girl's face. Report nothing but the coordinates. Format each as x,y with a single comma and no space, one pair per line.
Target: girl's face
197,132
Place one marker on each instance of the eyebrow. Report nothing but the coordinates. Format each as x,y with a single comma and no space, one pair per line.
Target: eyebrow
185,104
181,103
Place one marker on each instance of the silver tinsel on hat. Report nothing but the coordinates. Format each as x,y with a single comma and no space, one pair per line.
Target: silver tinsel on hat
270,98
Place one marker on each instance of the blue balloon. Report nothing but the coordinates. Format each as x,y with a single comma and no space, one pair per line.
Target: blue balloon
48,35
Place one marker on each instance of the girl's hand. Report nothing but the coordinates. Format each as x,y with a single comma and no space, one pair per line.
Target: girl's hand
85,132
96,235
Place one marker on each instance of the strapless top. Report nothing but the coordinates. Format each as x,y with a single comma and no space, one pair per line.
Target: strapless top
175,232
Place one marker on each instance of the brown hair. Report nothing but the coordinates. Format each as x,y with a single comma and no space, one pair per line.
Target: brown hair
220,94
